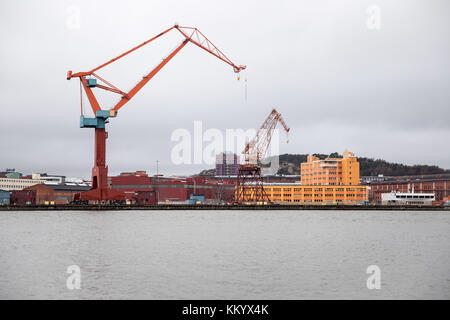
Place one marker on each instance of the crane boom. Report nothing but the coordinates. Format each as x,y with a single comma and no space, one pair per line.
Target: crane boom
190,34
147,78
256,149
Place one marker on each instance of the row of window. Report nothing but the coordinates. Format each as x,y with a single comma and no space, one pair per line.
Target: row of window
19,180
318,195
414,197
318,201
15,187
325,173
316,189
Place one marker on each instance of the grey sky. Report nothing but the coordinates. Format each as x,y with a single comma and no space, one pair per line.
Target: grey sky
380,93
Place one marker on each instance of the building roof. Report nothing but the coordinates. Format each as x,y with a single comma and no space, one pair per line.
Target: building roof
269,184
68,187
59,187
404,181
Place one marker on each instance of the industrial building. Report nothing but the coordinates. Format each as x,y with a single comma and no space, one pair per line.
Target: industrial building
298,194
136,187
328,181
45,194
23,197
173,189
227,164
438,184
4,197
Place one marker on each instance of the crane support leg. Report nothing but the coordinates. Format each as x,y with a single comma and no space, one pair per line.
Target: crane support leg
99,190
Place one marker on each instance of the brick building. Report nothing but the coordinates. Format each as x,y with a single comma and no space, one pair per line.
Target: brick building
23,197
45,194
438,184
173,190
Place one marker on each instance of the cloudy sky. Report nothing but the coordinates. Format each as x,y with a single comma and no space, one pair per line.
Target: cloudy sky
341,80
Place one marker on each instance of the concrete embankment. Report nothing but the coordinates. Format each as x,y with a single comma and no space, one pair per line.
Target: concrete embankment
216,207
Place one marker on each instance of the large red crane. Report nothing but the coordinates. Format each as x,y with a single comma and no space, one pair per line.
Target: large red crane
90,80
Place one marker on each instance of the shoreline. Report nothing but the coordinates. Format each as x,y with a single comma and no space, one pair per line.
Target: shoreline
217,207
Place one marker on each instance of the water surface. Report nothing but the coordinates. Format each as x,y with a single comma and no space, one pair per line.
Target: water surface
225,254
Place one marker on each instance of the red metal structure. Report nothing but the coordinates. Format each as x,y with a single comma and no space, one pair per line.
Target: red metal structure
88,80
249,185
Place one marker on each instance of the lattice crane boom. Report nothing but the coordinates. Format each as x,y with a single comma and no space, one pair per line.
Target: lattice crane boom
190,34
255,150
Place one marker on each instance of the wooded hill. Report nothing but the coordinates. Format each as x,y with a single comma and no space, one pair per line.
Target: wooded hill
290,164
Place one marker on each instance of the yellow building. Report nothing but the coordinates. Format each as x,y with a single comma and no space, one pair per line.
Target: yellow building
299,194
331,171
329,181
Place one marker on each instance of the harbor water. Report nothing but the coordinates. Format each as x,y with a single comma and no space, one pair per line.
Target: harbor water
224,254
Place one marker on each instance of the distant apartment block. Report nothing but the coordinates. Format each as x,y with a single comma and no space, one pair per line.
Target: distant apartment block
330,171
227,164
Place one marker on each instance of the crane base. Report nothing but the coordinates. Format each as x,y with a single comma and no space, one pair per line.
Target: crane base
250,186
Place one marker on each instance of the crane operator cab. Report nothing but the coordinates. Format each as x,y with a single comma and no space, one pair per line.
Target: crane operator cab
91,83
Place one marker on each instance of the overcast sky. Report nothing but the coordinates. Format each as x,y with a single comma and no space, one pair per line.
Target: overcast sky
382,93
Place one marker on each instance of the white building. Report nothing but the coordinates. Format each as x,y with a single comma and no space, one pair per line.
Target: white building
407,198
10,184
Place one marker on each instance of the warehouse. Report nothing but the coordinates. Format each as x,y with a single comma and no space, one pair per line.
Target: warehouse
46,194
173,190
437,184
